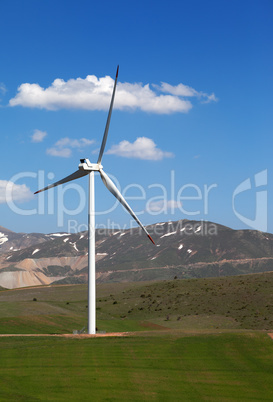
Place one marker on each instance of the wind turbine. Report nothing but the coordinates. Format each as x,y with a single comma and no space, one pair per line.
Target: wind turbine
87,168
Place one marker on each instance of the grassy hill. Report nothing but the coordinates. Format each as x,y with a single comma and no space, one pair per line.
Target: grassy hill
240,302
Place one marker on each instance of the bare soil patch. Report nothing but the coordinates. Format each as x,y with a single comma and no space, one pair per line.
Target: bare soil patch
147,324
78,336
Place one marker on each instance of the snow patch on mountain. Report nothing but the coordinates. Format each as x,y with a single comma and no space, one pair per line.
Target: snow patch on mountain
3,238
197,229
74,245
58,234
168,234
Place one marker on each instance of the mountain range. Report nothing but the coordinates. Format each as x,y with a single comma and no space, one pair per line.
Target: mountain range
184,249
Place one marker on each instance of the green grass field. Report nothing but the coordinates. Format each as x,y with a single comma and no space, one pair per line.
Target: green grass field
193,340
161,367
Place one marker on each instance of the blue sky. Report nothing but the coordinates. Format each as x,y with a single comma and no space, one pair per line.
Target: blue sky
192,117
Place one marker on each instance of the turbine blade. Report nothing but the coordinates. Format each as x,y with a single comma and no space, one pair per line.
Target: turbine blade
108,120
73,176
113,189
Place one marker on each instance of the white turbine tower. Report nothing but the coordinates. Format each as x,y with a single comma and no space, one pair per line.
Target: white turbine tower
87,168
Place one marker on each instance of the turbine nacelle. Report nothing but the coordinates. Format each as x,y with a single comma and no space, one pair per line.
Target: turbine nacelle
87,165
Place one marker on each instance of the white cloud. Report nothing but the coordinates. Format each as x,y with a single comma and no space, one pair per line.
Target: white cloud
137,96
178,90
3,88
163,205
61,152
210,98
92,93
10,192
38,136
142,148
186,91
63,147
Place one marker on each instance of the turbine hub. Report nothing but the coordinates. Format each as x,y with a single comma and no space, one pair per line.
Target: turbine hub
87,165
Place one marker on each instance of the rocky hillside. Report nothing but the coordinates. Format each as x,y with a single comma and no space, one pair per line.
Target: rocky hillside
11,241
183,249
